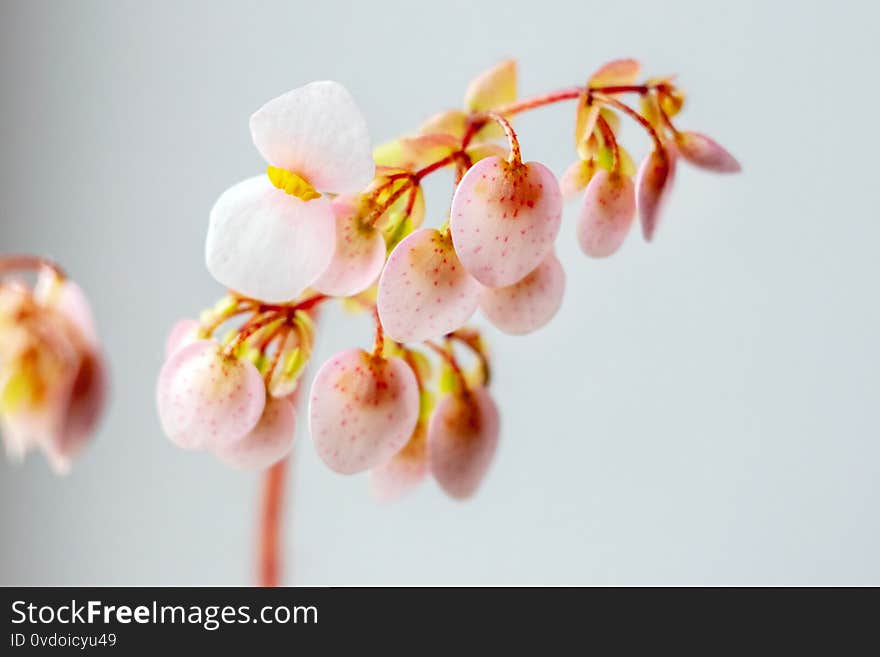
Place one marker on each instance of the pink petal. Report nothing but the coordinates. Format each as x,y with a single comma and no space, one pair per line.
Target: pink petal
184,332
206,398
607,214
504,219
267,244
268,442
528,304
362,410
706,153
359,255
82,412
424,291
318,132
462,438
404,471
653,182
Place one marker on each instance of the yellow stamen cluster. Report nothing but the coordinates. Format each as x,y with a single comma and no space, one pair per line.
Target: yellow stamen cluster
291,183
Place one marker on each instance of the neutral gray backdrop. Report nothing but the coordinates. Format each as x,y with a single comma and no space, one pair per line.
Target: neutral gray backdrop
703,411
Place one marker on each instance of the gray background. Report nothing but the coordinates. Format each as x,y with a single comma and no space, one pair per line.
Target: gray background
703,411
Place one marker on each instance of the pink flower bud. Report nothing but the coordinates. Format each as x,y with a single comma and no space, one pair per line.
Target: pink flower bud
207,398
705,152
424,291
462,438
607,213
653,182
528,304
504,219
362,410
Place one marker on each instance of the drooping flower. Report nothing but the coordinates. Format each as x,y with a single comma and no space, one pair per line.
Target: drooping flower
53,379
208,398
504,219
607,213
528,304
424,291
653,183
362,410
462,439
704,152
272,236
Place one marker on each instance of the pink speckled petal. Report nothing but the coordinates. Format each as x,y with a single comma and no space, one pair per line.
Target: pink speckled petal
359,255
206,399
362,410
424,291
67,298
504,219
268,442
404,471
267,244
653,182
607,214
318,132
528,304
462,438
706,153
184,332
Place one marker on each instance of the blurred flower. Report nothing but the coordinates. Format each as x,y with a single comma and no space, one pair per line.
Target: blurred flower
53,379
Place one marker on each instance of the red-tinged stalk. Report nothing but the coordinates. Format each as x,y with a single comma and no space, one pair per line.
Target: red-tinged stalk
611,141
449,358
379,339
515,155
21,262
269,533
633,114
472,342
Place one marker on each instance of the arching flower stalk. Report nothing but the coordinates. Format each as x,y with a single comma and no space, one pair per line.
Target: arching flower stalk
329,221
53,379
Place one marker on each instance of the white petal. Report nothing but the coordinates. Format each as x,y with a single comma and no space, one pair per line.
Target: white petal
267,244
318,132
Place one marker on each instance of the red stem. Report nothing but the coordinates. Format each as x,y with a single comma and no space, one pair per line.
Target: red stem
569,93
269,547
515,156
629,111
23,262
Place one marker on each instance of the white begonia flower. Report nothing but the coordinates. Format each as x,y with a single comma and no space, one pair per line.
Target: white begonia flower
272,236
